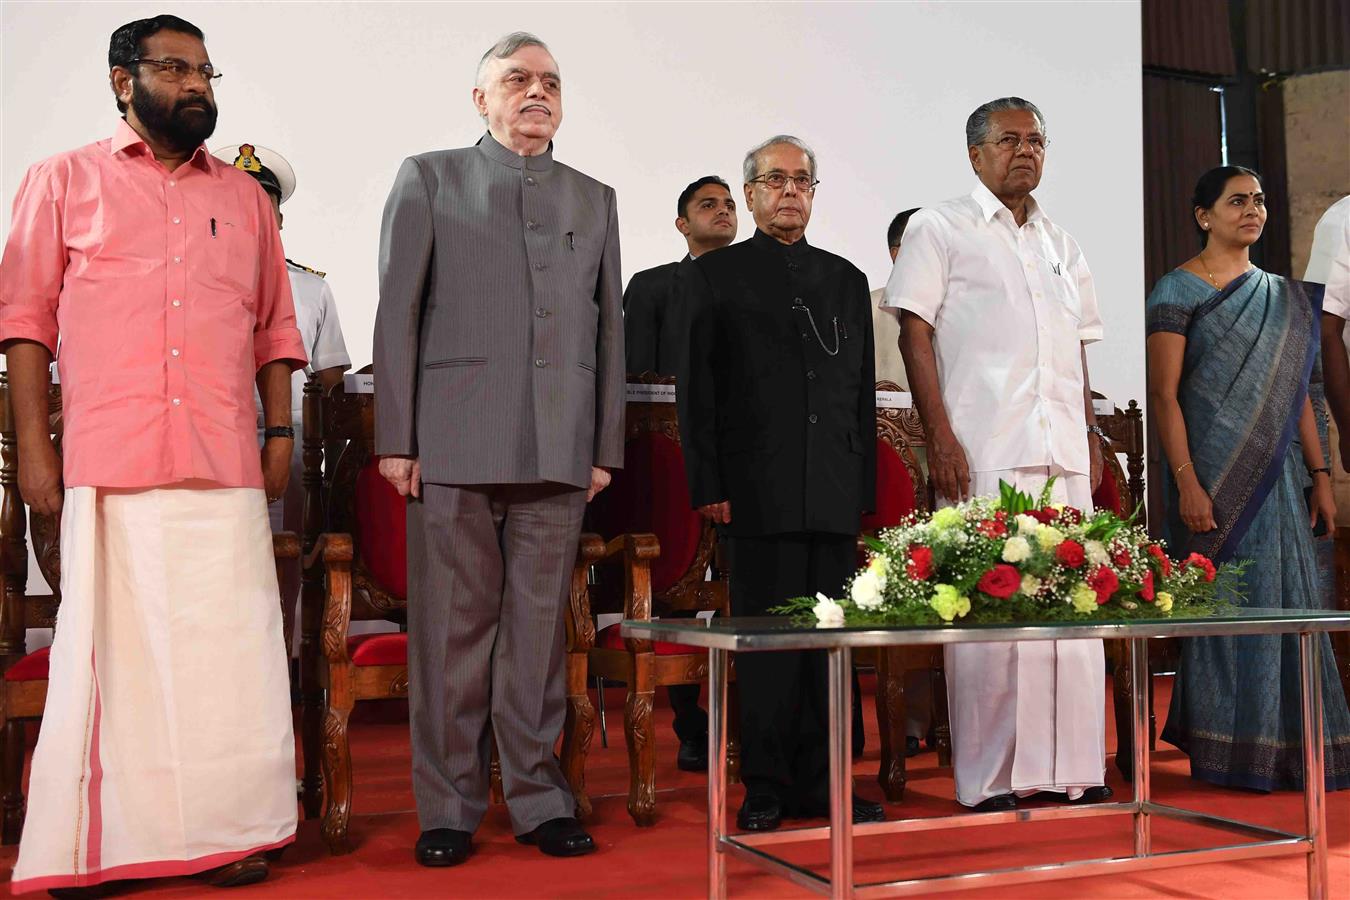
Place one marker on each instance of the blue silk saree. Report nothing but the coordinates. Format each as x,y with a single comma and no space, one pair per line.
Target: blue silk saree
1250,350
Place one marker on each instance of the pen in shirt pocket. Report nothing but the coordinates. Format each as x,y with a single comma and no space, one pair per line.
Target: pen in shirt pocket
213,227
571,241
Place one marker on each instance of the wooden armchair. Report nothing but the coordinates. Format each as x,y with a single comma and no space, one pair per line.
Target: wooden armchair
665,548
901,490
1123,495
23,692
355,569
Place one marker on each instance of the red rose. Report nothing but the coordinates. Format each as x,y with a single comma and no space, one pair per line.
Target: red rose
1164,564
1121,558
992,528
1044,516
1002,581
1200,562
920,565
1146,589
1104,582
1070,553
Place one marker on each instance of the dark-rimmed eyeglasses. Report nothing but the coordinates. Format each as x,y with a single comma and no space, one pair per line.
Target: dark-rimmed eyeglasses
180,69
777,181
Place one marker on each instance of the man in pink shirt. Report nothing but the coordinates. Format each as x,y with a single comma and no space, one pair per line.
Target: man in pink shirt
167,747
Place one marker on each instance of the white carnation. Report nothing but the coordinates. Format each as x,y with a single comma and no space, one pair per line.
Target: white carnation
1096,553
1031,585
866,590
828,613
1026,524
1016,549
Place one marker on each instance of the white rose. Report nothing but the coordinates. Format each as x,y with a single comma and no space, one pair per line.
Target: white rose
828,613
1096,553
1016,549
866,590
1031,585
1026,524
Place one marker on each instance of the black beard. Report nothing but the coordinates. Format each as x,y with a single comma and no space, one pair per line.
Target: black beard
181,127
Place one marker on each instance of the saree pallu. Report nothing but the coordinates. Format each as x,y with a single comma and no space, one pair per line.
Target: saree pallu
1250,349
166,748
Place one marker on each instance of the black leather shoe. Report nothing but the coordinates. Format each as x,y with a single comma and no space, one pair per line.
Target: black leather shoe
560,837
1091,795
443,847
760,813
249,870
864,810
1001,803
693,756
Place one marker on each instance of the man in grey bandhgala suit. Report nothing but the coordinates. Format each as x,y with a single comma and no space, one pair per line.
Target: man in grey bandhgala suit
499,370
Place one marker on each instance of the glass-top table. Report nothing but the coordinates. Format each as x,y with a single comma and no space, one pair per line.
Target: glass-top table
725,635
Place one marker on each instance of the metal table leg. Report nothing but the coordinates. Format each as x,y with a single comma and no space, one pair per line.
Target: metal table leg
717,772
1139,684
841,772
1314,775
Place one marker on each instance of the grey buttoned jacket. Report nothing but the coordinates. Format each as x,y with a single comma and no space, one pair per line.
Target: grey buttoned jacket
499,352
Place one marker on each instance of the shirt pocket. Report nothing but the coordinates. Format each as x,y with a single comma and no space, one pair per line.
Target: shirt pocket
583,249
231,252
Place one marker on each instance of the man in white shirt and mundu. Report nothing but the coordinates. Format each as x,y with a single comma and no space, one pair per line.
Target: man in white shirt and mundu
996,303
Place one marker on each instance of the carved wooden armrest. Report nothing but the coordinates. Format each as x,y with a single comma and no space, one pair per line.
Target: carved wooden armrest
635,552
286,545
336,552
580,622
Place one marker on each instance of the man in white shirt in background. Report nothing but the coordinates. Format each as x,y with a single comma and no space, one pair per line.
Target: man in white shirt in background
1329,265
885,320
996,303
317,318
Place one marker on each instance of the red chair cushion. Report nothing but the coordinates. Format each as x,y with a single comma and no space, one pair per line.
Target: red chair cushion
32,667
386,649
895,490
382,529
1107,496
650,495
610,639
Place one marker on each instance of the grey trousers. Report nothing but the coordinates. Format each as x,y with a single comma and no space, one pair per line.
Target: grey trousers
489,569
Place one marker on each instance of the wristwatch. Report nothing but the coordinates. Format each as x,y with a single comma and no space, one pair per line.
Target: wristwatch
279,431
1096,429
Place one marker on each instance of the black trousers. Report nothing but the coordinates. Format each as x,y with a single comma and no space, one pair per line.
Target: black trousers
784,699
691,722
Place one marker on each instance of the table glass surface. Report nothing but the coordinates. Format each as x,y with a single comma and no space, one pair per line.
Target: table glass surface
782,633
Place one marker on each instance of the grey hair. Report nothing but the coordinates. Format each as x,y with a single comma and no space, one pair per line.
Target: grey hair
977,126
748,168
506,47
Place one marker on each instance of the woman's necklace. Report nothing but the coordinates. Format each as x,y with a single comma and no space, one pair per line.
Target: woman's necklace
1204,265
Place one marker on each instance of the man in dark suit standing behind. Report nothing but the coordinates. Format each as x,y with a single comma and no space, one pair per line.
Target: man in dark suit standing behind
655,336
778,418
654,323
499,409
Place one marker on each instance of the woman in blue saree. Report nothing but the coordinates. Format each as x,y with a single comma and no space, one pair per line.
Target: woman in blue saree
1230,352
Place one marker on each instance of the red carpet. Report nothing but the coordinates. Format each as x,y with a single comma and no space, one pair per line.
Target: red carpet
668,860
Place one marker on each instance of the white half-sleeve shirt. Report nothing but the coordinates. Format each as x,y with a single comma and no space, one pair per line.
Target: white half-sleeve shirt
1329,261
1010,308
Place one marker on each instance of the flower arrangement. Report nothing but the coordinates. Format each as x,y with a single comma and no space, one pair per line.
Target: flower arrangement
1015,559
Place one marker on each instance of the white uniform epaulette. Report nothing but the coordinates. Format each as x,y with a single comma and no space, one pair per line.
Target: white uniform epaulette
295,265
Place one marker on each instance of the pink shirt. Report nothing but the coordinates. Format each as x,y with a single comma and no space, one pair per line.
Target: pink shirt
168,291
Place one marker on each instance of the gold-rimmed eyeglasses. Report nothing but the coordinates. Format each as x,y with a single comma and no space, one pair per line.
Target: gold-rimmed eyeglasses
777,181
180,69
1011,143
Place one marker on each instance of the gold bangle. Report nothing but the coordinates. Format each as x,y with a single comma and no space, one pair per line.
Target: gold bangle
1181,468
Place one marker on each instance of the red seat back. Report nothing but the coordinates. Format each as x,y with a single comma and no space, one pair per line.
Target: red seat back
381,529
895,490
650,494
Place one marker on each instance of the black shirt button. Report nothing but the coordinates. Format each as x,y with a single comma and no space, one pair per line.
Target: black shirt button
813,418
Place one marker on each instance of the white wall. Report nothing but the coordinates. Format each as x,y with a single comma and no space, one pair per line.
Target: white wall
656,94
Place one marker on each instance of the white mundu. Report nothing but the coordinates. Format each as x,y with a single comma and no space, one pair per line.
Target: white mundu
1011,307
